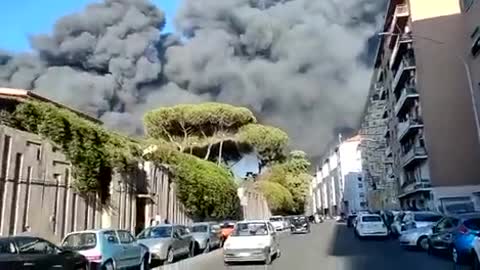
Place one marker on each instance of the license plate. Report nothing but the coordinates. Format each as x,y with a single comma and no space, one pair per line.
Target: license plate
244,254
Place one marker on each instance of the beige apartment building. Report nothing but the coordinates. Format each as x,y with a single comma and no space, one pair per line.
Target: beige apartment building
427,72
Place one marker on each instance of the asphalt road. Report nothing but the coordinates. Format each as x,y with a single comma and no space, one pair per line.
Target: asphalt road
330,246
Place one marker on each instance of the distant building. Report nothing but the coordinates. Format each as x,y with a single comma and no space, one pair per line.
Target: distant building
338,184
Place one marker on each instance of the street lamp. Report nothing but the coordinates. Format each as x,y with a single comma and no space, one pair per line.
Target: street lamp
467,71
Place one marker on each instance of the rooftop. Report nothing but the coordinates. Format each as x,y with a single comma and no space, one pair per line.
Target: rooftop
22,95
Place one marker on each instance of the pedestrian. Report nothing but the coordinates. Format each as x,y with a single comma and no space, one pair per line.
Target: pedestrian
27,229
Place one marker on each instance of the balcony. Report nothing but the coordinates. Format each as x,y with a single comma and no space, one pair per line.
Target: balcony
407,128
386,132
407,98
414,155
388,151
403,72
401,47
400,18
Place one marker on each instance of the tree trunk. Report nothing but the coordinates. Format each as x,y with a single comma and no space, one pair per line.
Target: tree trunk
208,152
220,149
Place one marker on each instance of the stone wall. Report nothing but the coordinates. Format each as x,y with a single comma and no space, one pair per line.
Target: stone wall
36,191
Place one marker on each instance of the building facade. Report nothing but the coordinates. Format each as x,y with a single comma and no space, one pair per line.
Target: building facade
423,71
338,186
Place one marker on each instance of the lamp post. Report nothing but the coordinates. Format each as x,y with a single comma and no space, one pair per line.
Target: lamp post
467,71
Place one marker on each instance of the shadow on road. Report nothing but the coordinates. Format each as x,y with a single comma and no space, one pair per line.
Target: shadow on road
381,254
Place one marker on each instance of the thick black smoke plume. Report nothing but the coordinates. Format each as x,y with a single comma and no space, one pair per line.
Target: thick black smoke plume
300,64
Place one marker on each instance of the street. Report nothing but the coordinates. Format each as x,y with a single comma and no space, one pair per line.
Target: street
330,246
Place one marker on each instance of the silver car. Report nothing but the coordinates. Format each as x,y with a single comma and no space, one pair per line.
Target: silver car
417,237
108,249
205,236
167,242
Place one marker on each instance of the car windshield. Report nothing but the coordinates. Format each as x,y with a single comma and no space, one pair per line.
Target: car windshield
276,219
80,241
251,229
371,219
156,232
473,224
427,217
199,228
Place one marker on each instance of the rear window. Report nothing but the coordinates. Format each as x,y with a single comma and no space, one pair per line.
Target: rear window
473,224
251,229
199,229
427,217
371,219
80,241
6,247
276,219
227,226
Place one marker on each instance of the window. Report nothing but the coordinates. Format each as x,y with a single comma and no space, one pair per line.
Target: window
111,235
473,224
30,245
125,237
361,195
7,247
156,232
251,229
360,185
427,217
80,241
199,228
467,4
371,219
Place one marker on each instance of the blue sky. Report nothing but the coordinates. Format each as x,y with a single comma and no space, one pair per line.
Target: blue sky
21,18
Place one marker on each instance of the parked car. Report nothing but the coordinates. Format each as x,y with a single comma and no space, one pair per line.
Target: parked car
300,225
412,220
454,235
476,254
255,240
370,225
206,236
351,219
278,223
167,242
416,238
108,249
29,252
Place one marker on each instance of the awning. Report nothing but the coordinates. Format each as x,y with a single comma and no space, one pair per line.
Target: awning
149,197
413,192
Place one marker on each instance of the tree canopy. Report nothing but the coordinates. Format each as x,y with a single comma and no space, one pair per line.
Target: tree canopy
226,130
292,174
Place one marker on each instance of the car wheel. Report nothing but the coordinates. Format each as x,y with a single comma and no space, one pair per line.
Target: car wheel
108,266
170,256
476,262
144,265
207,248
268,258
422,243
191,252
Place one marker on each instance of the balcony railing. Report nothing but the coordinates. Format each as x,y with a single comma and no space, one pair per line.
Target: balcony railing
388,151
405,38
408,92
406,65
404,127
415,153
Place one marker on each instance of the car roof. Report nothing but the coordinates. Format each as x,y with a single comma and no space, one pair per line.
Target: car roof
467,215
253,221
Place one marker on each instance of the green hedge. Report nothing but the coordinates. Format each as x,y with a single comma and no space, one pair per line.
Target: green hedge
93,151
278,197
206,190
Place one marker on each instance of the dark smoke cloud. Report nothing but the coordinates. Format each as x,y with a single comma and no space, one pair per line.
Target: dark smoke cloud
300,64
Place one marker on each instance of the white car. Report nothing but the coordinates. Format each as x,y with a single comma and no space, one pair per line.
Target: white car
278,223
370,225
252,241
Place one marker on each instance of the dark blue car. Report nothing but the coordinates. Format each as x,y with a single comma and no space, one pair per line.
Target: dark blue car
454,236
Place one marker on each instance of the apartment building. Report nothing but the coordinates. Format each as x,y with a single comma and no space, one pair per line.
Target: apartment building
423,73
339,180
